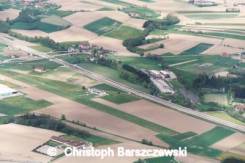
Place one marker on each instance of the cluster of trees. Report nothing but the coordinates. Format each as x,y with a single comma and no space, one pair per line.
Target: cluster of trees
235,85
47,122
206,81
150,25
28,15
233,160
135,75
108,62
45,41
239,91
162,24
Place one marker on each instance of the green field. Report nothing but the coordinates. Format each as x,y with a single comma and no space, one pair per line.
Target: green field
116,95
198,144
158,160
141,12
198,49
209,65
220,99
28,66
56,21
210,137
184,135
124,32
211,15
20,105
47,24
103,26
41,48
112,74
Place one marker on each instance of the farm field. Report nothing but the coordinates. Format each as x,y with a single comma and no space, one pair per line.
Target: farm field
225,116
120,121
19,141
66,75
115,95
121,40
201,144
103,26
20,105
41,48
124,32
178,43
76,5
162,115
230,142
197,49
47,24
220,99
72,34
9,13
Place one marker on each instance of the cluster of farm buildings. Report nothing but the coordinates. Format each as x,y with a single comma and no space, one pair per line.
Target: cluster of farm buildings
161,80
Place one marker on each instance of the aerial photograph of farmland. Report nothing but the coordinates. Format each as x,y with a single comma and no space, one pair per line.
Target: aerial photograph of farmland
122,81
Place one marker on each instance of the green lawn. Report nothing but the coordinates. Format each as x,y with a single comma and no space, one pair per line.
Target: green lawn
103,25
20,104
198,49
116,95
124,32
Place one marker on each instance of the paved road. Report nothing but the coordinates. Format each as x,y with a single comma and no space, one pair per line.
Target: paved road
124,87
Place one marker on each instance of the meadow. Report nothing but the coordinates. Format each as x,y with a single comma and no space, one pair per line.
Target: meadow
199,144
124,33
103,26
198,49
20,105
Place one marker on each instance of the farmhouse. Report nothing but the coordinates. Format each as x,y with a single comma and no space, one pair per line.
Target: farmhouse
71,143
5,92
84,46
240,107
160,78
